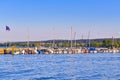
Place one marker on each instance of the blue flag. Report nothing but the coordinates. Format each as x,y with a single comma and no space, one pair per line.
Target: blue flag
7,28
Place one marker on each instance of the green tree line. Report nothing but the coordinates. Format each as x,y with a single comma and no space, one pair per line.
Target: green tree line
105,43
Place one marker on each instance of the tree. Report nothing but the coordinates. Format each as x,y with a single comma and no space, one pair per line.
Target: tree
96,44
107,43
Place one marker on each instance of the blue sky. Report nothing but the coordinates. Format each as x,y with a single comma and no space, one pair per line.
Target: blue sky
52,19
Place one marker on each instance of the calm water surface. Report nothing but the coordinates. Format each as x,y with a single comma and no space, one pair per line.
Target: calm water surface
60,67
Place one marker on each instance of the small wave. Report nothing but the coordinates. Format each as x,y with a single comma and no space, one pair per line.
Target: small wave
44,78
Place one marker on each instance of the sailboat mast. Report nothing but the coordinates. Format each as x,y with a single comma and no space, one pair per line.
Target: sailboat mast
28,37
71,38
75,39
82,40
53,41
89,39
113,41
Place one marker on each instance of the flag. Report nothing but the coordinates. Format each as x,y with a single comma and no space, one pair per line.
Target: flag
7,28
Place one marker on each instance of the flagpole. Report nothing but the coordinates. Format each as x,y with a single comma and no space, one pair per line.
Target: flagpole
6,44
7,29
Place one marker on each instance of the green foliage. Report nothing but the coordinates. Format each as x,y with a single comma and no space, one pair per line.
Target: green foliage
94,43
107,43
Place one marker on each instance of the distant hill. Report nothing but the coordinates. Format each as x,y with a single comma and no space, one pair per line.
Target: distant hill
49,42
78,40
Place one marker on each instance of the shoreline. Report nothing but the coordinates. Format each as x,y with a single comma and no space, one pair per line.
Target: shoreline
44,50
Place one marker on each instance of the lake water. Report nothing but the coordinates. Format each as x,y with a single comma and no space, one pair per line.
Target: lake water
60,67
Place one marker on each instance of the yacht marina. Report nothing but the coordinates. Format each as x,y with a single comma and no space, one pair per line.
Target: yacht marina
44,50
